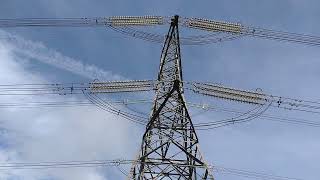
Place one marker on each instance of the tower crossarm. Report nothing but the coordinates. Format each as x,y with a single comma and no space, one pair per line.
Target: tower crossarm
238,29
228,93
213,25
84,22
78,88
218,30
122,86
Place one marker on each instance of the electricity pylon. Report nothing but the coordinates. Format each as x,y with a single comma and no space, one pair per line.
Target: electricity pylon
169,147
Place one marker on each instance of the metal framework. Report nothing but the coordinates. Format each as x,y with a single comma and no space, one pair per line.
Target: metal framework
169,147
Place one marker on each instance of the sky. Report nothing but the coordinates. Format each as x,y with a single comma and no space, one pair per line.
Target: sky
64,55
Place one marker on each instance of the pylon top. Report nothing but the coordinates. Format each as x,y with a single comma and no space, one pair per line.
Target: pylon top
174,20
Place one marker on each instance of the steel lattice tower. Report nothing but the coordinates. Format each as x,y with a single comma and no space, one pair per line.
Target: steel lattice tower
169,147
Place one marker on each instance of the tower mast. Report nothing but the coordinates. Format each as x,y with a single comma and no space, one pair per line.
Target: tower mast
169,147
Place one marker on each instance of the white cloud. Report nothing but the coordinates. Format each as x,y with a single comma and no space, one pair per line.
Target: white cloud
55,134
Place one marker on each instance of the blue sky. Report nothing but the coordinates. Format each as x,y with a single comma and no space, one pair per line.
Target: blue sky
278,68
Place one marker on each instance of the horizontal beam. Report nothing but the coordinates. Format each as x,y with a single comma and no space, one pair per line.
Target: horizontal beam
122,86
212,25
228,93
136,20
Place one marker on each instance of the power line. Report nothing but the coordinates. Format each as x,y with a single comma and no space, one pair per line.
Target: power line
265,116
109,108
217,91
11,166
127,102
250,174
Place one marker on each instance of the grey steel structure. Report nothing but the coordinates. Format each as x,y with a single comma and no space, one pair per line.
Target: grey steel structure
169,147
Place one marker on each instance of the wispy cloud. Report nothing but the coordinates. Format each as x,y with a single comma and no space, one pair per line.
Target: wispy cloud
40,52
